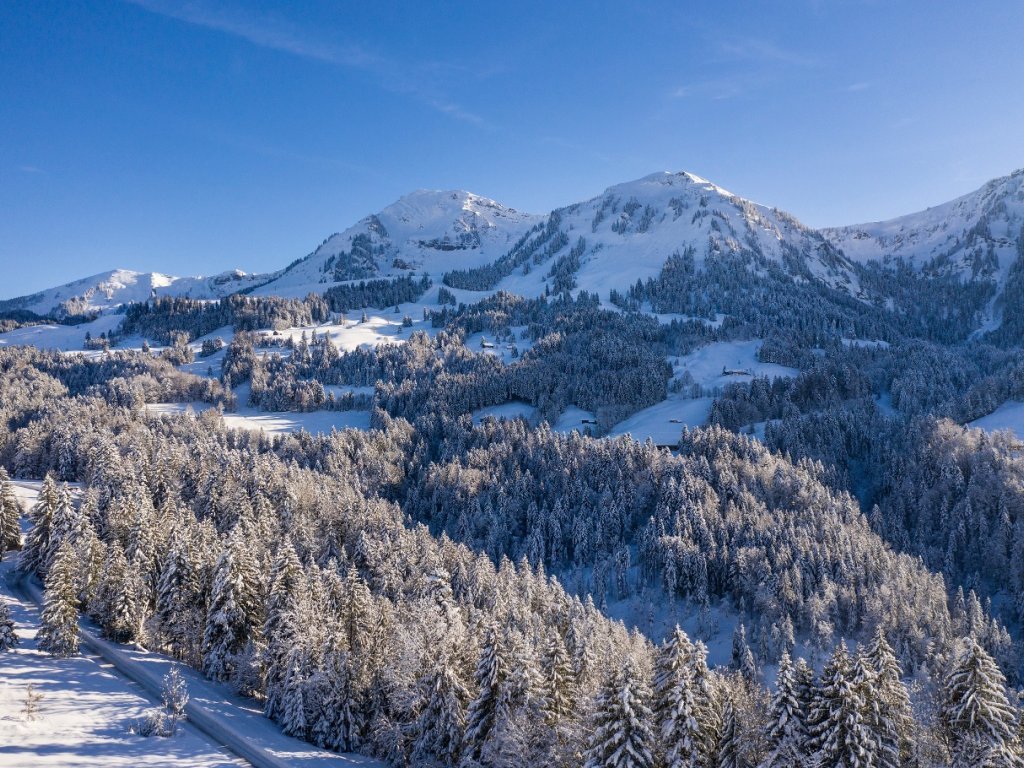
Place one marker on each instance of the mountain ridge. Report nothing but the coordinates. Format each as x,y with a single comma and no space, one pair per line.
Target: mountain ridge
624,234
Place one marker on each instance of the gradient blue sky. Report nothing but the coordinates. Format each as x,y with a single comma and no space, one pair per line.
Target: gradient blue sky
194,137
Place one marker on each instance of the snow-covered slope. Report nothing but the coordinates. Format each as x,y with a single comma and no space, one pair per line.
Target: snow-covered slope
426,231
633,228
958,237
121,286
975,237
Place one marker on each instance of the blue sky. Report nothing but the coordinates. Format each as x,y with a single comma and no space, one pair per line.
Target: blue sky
193,137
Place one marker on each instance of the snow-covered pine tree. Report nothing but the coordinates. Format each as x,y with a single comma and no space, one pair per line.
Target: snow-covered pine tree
37,542
675,704
742,657
293,703
65,525
893,716
356,610
708,699
282,626
622,735
787,734
841,734
344,699
58,621
91,553
10,515
8,637
491,672
177,597
141,547
729,747
864,680
556,680
441,723
117,596
232,600
978,717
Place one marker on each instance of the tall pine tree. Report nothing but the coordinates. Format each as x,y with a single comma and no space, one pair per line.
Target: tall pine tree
980,722
622,736
58,630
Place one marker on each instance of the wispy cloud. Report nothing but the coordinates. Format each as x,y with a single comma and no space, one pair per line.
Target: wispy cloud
754,49
717,89
857,87
278,34
30,169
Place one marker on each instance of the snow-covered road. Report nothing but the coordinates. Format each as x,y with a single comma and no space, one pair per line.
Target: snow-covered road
225,719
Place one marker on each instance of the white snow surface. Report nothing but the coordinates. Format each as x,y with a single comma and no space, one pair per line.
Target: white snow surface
60,337
738,358
430,231
663,422
272,422
1008,416
122,286
85,712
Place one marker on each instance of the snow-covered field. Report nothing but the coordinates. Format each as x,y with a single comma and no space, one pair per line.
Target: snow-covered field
61,337
273,422
1009,415
738,358
574,419
664,422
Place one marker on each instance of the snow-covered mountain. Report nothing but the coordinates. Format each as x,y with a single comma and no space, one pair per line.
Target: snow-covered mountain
121,286
633,228
976,237
426,231
621,236
973,236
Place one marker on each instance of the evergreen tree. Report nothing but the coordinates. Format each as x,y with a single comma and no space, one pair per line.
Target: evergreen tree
729,746
683,737
841,734
177,597
293,705
282,626
892,716
742,657
8,636
37,542
787,734
10,516
980,722
232,601
66,525
441,723
556,680
58,622
491,672
622,736
117,595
